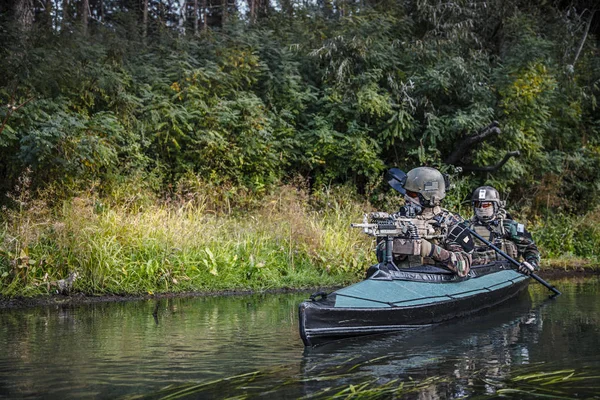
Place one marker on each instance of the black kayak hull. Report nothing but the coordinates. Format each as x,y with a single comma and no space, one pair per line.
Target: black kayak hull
330,319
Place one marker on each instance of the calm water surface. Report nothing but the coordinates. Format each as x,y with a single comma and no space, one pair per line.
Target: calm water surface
249,347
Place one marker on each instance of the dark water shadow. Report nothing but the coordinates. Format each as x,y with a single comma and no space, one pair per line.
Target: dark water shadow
440,360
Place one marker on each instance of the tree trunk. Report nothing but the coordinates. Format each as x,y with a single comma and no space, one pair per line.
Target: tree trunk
24,14
196,16
204,15
145,20
85,13
66,17
182,16
252,6
224,5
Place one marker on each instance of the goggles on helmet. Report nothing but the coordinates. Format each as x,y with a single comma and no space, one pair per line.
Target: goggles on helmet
412,194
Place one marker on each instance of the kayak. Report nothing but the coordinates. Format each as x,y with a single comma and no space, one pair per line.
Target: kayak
411,298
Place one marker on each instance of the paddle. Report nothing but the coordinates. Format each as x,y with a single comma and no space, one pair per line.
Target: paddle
515,262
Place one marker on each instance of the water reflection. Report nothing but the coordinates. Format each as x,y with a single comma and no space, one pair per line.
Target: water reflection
248,346
109,350
456,353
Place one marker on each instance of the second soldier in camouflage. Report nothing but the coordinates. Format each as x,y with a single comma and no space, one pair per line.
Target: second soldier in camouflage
491,221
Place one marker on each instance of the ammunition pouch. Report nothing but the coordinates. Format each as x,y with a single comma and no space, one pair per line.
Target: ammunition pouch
407,246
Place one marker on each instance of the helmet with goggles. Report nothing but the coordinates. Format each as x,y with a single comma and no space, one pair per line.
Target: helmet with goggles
425,184
486,202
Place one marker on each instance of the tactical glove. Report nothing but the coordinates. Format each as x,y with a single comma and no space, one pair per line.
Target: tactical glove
457,261
526,268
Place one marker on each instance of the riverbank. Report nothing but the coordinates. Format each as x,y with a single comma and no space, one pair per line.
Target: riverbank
555,273
80,298
183,244
199,242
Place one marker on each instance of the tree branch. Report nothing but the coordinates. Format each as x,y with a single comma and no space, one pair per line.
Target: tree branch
492,168
587,29
463,146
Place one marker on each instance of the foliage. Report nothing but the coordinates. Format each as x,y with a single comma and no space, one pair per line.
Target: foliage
143,111
333,99
569,237
181,245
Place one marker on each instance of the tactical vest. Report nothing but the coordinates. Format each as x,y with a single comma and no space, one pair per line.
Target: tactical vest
494,233
432,224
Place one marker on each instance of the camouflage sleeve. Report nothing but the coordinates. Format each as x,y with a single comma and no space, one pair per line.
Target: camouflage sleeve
527,248
454,250
453,257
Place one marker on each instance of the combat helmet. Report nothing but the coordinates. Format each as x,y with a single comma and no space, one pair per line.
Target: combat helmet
486,194
428,184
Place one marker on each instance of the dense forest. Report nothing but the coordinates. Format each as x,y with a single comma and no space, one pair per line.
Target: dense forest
241,98
336,91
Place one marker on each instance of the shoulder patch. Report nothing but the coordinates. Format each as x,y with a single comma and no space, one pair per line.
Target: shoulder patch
520,228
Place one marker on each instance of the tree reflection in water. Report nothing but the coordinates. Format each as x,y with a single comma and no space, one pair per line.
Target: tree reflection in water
249,346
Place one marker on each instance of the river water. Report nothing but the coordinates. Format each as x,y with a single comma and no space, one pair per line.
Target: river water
249,347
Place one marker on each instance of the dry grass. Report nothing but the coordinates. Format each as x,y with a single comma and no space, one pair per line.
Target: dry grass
203,238
179,244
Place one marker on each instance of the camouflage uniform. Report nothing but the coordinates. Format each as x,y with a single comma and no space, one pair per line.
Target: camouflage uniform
442,238
443,249
508,235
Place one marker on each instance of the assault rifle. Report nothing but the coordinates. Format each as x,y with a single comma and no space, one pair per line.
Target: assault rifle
408,230
381,224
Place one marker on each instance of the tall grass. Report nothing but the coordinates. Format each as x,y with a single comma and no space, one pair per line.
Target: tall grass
568,241
204,238
184,244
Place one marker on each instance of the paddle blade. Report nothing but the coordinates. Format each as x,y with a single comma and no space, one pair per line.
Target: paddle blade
396,179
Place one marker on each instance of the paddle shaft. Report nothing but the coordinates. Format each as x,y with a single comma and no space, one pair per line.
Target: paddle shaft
515,262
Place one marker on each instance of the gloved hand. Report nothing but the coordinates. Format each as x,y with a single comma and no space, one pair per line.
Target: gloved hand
526,268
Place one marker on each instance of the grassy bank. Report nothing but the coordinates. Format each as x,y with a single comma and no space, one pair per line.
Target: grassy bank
173,246
568,242
135,244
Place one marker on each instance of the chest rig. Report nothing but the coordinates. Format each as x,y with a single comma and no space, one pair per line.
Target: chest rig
495,232
432,224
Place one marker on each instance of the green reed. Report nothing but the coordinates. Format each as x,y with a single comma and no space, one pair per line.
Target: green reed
284,242
559,384
327,384
568,241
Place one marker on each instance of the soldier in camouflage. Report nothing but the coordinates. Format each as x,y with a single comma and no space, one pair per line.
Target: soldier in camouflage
449,243
491,221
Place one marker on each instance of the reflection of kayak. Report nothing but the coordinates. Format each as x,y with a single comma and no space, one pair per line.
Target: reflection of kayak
390,301
489,344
